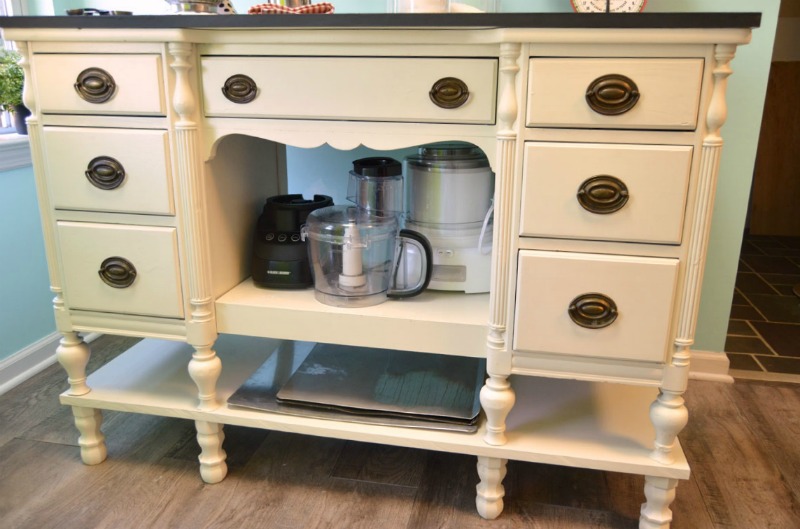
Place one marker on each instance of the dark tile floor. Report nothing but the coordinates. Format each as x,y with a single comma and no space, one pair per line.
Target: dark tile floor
764,327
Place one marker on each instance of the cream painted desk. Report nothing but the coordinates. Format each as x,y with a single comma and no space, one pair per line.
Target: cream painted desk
156,139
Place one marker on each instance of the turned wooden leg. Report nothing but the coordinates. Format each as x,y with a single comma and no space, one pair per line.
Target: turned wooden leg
668,413
656,513
497,399
213,468
92,441
205,368
669,416
73,355
489,500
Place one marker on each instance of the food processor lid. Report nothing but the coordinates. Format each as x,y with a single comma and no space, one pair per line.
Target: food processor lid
339,224
457,155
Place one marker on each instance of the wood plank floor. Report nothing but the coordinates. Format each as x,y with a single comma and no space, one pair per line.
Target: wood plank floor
742,443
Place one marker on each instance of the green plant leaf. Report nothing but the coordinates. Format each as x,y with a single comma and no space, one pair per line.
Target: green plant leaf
11,79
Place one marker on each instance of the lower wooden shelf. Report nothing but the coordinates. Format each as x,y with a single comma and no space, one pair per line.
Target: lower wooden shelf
562,422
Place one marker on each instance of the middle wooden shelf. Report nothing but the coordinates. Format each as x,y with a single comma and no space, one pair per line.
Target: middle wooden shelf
434,322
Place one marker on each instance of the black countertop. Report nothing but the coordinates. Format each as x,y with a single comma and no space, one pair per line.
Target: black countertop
370,21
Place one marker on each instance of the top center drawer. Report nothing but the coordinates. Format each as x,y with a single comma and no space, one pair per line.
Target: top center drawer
431,90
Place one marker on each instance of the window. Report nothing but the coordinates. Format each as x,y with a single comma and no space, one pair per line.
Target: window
5,121
12,7
14,149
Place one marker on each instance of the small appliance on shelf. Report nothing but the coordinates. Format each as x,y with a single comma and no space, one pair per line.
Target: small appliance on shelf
359,253
376,186
449,193
280,258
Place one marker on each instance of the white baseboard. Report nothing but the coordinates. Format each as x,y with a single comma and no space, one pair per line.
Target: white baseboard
709,365
90,337
22,365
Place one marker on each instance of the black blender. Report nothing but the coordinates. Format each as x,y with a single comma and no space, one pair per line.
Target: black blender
280,257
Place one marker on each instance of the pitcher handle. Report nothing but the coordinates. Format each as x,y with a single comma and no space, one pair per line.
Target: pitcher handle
420,242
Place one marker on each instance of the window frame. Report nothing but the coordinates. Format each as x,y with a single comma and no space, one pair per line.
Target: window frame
14,149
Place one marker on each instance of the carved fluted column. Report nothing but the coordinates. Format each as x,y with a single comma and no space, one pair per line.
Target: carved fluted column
205,367
497,396
668,412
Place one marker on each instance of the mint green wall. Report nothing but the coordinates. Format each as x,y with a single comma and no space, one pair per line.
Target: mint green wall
40,7
747,90
26,308
746,93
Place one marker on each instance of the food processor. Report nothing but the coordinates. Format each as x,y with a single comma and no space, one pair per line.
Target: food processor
359,253
356,257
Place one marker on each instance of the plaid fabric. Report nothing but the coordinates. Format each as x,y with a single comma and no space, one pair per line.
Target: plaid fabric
275,9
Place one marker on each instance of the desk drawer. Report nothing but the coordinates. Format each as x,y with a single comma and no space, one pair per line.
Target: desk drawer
340,88
661,93
126,171
641,288
99,84
634,193
118,268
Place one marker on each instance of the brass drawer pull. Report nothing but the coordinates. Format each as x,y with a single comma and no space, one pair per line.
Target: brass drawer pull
593,310
603,194
117,272
240,89
449,92
95,85
612,94
104,172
